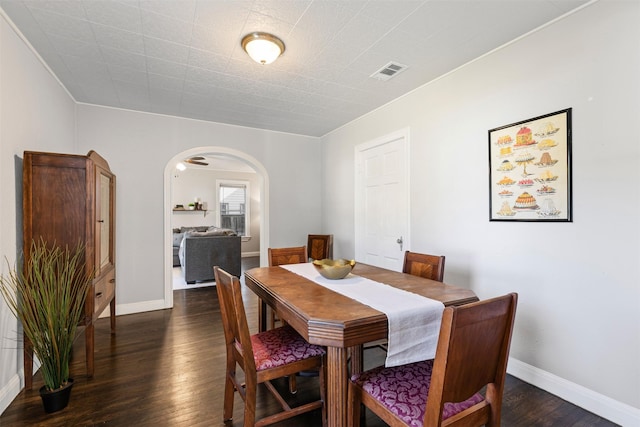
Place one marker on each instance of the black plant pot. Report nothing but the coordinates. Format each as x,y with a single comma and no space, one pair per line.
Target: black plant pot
56,400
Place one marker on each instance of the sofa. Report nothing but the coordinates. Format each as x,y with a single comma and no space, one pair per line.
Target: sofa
202,248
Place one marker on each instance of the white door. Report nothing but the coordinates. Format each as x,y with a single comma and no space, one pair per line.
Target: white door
382,201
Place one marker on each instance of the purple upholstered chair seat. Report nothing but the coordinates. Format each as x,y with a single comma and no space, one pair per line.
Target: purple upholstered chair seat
280,346
404,389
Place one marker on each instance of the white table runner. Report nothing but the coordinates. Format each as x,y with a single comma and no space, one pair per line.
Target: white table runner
413,320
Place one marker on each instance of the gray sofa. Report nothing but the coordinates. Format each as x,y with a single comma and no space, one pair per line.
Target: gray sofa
200,251
178,235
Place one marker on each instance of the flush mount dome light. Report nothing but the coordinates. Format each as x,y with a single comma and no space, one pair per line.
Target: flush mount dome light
264,48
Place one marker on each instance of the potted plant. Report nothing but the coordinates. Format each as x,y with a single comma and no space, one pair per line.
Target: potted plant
48,298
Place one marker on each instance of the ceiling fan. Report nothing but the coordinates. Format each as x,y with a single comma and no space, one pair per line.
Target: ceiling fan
196,160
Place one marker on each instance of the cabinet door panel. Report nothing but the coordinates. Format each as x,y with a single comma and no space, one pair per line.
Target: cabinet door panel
104,221
58,205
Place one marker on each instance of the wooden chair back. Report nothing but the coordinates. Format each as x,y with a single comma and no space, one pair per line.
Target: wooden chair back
281,256
234,322
320,246
423,265
472,352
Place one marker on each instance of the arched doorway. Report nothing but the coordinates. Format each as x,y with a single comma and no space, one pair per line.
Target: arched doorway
264,205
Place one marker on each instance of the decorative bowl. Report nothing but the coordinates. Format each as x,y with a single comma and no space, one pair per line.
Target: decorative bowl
334,269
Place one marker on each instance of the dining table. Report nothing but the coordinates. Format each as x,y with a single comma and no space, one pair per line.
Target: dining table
340,323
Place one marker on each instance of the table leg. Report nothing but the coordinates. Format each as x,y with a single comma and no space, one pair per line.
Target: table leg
357,358
262,315
112,315
337,381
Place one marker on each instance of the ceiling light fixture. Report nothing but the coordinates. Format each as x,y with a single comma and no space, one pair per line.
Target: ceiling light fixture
264,48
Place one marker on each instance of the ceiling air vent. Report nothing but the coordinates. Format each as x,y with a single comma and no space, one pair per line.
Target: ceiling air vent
390,70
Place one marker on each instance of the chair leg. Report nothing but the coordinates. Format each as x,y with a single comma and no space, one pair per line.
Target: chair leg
229,391
293,387
323,390
353,408
250,405
272,319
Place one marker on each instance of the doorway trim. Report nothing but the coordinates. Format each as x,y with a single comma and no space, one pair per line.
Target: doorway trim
169,169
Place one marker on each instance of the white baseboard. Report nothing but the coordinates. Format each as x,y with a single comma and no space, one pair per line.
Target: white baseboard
603,406
10,390
250,254
138,307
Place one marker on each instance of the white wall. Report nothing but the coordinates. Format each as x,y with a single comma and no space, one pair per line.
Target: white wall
138,146
185,187
36,114
578,323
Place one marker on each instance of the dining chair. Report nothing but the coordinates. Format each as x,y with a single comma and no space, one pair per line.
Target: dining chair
472,353
320,246
262,357
281,256
293,255
423,265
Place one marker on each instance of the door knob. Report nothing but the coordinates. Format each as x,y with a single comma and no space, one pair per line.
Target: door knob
400,241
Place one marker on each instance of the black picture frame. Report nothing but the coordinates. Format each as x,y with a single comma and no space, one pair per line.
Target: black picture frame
530,170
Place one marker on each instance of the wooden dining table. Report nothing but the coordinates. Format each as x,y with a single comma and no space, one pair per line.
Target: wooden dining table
338,322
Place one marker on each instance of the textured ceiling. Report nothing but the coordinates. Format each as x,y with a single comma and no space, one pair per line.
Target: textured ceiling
183,57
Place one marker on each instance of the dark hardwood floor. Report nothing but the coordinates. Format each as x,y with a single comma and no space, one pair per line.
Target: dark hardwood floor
166,368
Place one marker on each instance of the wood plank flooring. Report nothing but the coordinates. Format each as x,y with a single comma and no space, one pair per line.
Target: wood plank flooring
166,368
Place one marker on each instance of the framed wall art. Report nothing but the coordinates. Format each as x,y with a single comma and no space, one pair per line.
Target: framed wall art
530,170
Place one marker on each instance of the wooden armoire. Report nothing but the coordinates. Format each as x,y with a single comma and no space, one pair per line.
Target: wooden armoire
69,199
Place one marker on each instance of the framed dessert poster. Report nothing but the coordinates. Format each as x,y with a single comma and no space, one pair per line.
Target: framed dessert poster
530,170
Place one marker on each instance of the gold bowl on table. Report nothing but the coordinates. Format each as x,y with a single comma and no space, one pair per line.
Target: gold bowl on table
334,269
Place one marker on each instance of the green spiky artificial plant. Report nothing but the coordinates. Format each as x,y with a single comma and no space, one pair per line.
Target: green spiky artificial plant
48,298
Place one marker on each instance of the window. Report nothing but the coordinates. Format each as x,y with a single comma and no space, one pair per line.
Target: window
234,206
